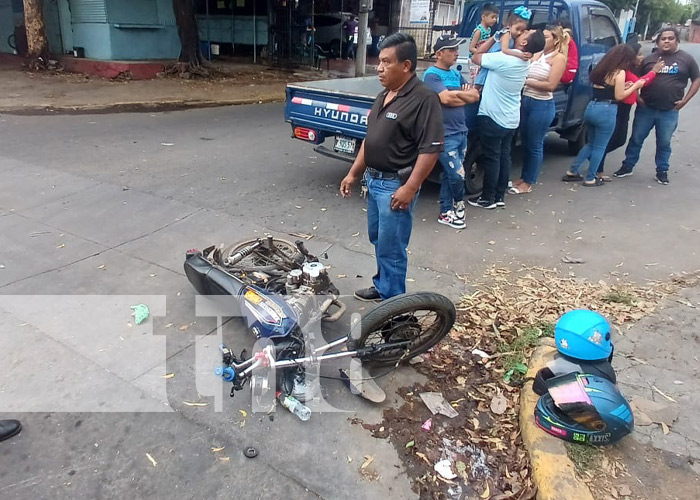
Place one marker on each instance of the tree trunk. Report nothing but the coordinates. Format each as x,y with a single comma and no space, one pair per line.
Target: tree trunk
189,34
36,31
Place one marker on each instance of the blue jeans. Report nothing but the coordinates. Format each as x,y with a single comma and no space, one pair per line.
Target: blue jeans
536,115
496,143
452,159
600,118
389,231
646,118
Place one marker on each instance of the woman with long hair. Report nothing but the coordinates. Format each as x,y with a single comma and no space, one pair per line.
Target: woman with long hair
537,109
624,107
608,82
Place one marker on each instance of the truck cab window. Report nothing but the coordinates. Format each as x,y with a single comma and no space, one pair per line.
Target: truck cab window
603,29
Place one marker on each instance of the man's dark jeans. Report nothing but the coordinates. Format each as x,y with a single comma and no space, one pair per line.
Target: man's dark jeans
496,143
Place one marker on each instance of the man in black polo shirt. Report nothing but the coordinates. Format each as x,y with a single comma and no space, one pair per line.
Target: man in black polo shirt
403,142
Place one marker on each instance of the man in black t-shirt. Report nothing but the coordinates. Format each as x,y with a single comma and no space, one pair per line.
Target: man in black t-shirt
403,141
660,101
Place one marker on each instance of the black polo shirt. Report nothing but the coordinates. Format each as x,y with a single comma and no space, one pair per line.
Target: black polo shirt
411,124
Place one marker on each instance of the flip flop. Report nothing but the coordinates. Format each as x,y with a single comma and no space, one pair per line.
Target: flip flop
605,178
516,190
572,178
598,182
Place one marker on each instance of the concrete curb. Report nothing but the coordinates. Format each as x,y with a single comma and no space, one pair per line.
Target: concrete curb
135,107
552,470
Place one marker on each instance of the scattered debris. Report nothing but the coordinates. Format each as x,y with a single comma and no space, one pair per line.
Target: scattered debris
416,360
649,411
436,403
302,235
169,375
427,425
499,404
444,468
151,459
624,490
250,452
187,403
480,353
507,315
140,313
215,449
368,460
664,395
572,260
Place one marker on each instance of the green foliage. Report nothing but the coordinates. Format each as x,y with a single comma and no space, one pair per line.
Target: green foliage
661,11
513,360
584,457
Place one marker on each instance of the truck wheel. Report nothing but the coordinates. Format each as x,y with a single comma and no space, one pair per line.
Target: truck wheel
473,172
577,144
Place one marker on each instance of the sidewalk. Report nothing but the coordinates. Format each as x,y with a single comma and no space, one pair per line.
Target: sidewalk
26,93
23,92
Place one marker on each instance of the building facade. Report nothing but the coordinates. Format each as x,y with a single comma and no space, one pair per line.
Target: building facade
131,30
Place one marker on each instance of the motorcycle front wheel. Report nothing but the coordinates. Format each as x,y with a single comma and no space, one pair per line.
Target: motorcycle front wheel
422,318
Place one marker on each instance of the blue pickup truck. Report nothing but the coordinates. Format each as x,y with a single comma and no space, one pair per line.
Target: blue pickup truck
333,113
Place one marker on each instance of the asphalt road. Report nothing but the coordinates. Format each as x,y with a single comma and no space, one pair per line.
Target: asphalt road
100,209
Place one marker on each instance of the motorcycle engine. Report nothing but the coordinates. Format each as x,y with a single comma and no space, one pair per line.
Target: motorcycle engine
311,278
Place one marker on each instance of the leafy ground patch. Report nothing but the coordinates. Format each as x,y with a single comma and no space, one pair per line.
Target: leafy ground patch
478,370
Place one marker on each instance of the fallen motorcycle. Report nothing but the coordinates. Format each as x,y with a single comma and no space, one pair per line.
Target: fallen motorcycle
285,294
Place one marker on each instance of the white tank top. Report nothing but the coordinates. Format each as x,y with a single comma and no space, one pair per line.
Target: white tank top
539,70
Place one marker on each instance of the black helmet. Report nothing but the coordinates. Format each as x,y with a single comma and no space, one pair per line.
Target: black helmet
584,408
562,365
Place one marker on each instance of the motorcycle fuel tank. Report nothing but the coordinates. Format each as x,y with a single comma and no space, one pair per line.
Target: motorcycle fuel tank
267,316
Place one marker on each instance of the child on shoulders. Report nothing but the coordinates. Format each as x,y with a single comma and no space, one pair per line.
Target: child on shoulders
516,24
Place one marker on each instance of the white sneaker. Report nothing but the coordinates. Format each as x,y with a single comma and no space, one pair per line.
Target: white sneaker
459,210
450,219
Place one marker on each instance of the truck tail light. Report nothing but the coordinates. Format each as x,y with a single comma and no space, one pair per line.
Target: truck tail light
305,134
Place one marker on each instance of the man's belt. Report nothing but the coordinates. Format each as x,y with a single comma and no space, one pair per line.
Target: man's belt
381,174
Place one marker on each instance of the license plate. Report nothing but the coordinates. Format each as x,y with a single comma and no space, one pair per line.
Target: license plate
345,145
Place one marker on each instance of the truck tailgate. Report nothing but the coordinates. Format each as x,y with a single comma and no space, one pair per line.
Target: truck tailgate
332,107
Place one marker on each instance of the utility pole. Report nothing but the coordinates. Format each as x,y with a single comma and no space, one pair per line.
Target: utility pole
646,28
361,55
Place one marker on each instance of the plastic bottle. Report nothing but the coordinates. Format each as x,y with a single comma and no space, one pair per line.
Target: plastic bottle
297,407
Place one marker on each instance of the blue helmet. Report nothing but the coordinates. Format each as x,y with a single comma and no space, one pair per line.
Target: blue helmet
583,334
605,420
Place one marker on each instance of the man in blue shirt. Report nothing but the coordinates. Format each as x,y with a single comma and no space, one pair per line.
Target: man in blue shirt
450,87
499,113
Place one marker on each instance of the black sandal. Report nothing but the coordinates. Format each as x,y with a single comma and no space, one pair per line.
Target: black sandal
598,182
572,178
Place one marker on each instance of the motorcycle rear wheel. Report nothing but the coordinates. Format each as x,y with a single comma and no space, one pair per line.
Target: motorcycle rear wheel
423,318
262,259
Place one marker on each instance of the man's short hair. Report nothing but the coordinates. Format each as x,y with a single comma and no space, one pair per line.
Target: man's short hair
489,8
675,31
406,49
535,42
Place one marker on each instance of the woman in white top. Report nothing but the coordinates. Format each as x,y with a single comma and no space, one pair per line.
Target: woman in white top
537,108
